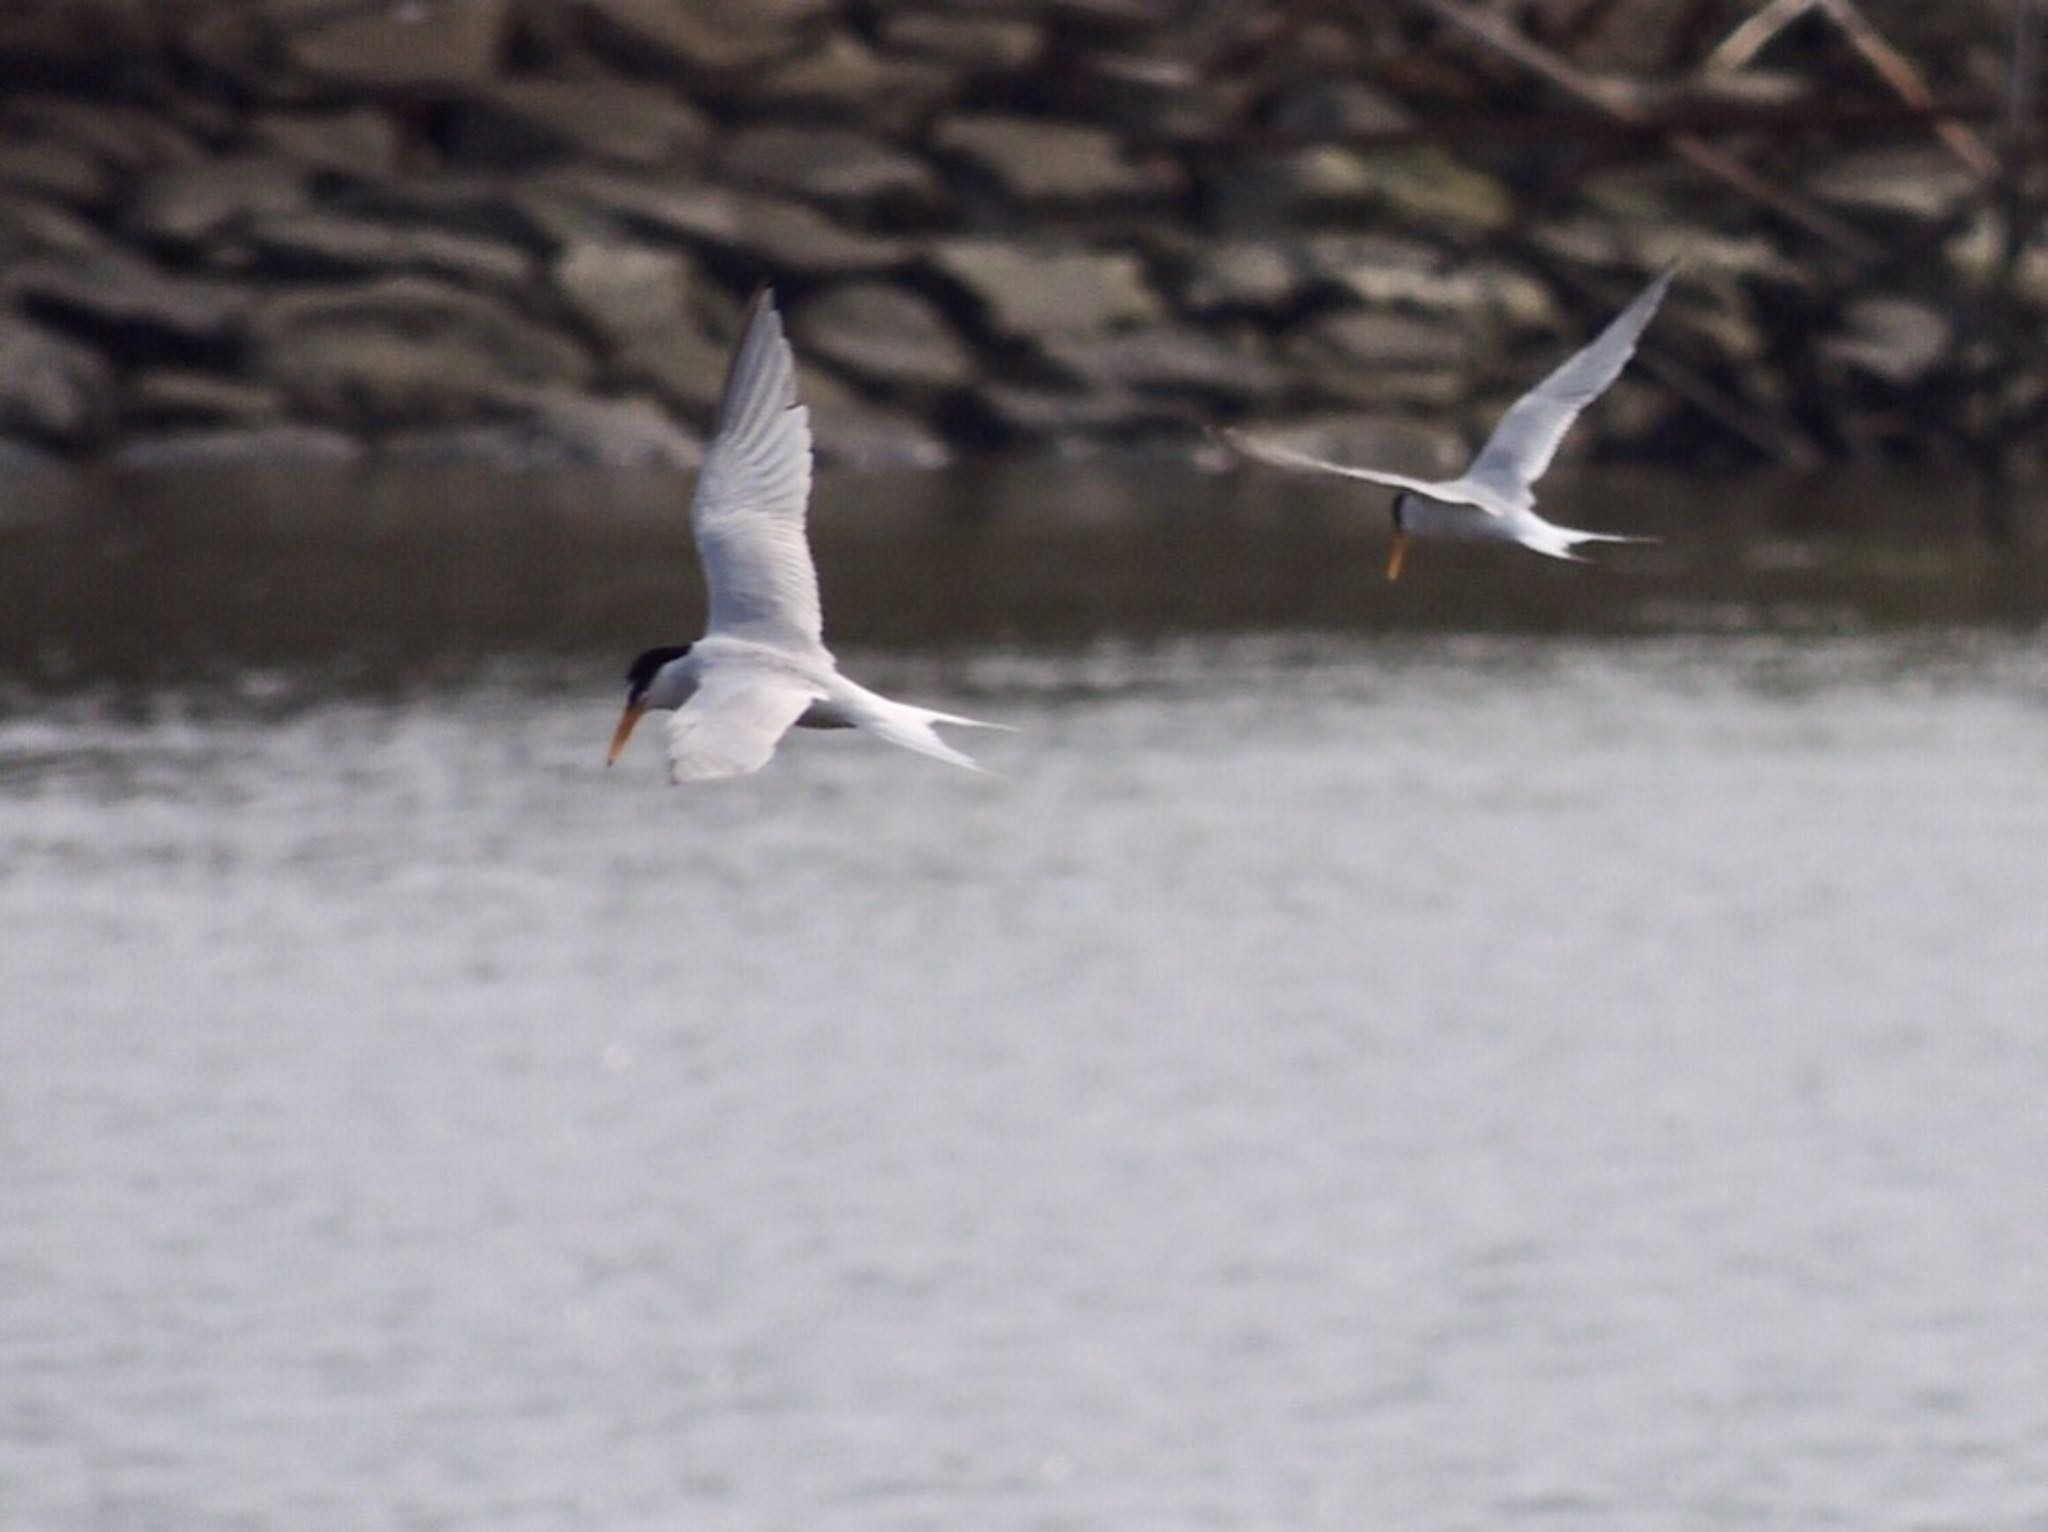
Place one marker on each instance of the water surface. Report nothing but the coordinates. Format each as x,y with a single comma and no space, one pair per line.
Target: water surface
1573,1059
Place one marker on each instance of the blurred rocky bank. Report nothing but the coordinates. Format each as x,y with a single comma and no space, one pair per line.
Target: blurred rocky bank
521,230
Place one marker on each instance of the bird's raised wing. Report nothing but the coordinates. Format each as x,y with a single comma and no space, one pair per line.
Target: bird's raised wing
1287,457
732,724
1527,437
749,508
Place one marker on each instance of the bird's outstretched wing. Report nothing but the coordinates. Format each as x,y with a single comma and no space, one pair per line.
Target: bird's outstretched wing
732,724
1287,457
749,508
1527,437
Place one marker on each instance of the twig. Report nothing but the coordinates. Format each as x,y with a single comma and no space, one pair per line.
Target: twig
1754,35
1897,71
1567,77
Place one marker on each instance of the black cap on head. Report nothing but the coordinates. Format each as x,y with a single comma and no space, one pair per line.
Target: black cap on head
640,674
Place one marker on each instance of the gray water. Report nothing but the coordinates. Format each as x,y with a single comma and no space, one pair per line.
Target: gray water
1529,1049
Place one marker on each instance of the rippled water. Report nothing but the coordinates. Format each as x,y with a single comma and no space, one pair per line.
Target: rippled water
1568,1059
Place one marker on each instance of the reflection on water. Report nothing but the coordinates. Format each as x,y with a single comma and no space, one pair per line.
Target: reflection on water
1470,1075
375,576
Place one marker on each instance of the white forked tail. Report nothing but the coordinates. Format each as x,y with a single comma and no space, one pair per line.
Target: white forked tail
1563,542
911,728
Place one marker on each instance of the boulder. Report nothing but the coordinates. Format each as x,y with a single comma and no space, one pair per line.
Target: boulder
553,425
54,170
990,44
1339,107
836,166
317,243
128,303
185,205
703,36
411,47
1375,358
1895,339
515,210
1168,359
125,140
773,233
883,334
32,226
174,397
50,388
1028,290
677,362
1063,414
513,124
20,457
849,431
1915,182
284,441
404,350
1260,274
847,81
1385,272
1032,160
622,291
353,141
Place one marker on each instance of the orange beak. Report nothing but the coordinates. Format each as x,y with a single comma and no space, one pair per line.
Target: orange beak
624,731
1398,557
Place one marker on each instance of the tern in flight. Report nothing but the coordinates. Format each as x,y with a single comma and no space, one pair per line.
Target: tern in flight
1494,499
761,665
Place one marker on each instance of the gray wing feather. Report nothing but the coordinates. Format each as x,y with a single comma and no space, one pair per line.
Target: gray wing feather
1287,457
732,724
1527,437
750,501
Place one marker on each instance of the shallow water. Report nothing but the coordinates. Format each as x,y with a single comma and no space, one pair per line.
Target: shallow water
1577,1063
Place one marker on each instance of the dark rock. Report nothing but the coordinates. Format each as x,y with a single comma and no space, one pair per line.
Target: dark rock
355,141
1037,161
20,457
404,350
782,236
1061,414
1033,290
518,123
847,81
678,362
178,398
836,166
124,139
997,44
560,426
623,291
1168,359
187,204
314,243
401,47
851,432
1157,96
515,210
1242,273
127,302
283,442
51,168
31,226
1382,271
1339,107
884,334
1422,186
51,388
718,36
1376,358
78,31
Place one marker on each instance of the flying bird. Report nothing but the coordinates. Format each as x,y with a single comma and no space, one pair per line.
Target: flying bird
1494,499
761,666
